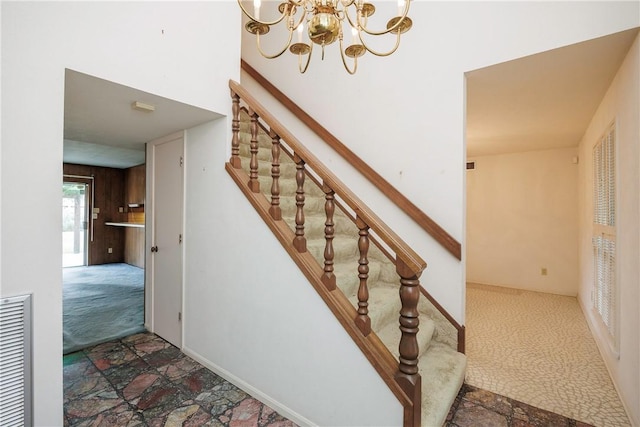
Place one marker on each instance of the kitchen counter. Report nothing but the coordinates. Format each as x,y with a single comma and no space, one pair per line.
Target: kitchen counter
126,224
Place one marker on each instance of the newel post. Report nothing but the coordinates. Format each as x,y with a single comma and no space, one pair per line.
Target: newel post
235,131
407,376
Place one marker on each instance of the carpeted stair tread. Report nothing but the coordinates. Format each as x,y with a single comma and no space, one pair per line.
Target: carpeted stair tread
347,277
442,370
287,169
311,204
314,226
289,186
264,154
384,307
343,248
445,332
390,334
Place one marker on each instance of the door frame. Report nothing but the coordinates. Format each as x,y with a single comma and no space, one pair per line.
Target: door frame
88,181
150,231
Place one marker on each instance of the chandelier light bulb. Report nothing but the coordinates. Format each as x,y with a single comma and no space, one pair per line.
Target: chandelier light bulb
300,29
256,8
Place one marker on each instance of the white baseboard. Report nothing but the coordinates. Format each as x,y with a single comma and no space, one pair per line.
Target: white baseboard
248,388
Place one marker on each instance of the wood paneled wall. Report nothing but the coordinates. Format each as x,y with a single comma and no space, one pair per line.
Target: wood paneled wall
135,179
109,187
134,237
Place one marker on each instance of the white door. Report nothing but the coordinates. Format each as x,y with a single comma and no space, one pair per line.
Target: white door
165,246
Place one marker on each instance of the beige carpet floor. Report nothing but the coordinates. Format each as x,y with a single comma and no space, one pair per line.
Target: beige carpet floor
537,348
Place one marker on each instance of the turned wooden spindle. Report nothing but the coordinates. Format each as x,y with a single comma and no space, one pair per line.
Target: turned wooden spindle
299,242
363,321
409,321
235,131
254,184
328,277
407,376
274,209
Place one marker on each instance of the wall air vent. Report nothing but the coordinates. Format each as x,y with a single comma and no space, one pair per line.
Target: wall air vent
15,361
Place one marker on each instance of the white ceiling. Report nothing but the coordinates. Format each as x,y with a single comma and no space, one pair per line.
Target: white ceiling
102,129
542,101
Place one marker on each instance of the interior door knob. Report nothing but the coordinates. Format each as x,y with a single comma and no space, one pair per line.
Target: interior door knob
154,249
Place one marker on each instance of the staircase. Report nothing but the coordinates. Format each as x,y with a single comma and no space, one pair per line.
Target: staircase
355,262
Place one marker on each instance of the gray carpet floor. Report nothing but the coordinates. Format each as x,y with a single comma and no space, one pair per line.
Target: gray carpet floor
101,303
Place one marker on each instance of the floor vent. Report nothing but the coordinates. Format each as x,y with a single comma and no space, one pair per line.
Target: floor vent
15,361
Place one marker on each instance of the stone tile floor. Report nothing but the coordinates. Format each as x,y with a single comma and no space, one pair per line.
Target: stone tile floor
142,380
475,407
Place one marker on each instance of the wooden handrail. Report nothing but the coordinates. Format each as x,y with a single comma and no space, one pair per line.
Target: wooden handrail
410,258
422,219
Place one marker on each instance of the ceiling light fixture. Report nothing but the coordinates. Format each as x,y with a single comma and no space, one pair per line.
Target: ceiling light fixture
324,21
141,106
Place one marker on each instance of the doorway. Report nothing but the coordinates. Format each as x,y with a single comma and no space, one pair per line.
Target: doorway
75,214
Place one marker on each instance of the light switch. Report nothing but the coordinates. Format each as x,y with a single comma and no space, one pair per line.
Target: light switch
96,210
94,216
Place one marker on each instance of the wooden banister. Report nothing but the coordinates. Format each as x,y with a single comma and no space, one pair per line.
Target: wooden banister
329,278
409,257
401,375
422,219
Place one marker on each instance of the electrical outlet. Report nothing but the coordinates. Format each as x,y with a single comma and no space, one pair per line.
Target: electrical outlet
110,250
543,271
120,209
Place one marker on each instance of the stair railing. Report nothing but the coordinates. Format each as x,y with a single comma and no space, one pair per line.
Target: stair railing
400,375
439,234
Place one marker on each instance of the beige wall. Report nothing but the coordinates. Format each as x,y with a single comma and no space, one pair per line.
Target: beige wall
522,212
621,104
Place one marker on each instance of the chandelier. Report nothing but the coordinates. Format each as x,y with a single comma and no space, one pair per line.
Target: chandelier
324,21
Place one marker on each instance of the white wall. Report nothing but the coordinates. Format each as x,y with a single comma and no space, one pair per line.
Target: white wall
522,216
622,104
252,316
404,114
122,42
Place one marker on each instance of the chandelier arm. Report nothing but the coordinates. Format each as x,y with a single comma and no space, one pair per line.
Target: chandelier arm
344,61
269,23
303,16
381,53
304,70
388,30
277,54
355,23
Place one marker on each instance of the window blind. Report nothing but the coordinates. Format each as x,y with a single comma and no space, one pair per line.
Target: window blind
604,232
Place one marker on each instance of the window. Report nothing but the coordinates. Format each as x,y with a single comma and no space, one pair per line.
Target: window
604,232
